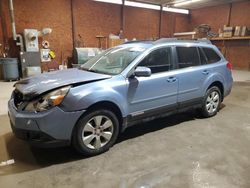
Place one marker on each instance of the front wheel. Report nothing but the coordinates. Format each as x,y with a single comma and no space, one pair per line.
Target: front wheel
211,102
96,132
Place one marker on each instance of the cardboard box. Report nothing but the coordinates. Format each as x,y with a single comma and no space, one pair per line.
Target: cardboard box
244,31
228,34
228,31
237,31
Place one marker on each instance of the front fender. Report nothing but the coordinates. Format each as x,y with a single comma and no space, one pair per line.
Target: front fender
104,95
81,99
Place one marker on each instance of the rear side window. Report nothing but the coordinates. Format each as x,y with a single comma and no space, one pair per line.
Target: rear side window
202,57
187,57
158,61
212,56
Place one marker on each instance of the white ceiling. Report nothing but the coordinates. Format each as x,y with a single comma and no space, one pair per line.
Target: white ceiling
195,5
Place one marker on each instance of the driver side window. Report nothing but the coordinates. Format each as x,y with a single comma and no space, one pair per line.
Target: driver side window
158,61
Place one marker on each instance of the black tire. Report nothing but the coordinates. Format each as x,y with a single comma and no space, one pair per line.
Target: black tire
77,139
204,110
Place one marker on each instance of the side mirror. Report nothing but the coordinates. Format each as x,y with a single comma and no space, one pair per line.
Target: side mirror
142,72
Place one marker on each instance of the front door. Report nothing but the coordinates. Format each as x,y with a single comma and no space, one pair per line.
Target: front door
158,92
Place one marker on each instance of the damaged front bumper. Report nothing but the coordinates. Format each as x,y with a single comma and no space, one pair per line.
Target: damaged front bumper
50,128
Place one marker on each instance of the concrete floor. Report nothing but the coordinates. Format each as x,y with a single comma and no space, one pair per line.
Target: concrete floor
179,151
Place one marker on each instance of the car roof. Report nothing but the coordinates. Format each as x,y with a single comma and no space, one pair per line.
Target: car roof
143,44
150,43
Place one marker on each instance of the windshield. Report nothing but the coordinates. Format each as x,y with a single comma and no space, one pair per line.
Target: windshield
112,61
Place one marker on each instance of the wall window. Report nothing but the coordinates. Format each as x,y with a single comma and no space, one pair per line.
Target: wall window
212,56
187,57
158,60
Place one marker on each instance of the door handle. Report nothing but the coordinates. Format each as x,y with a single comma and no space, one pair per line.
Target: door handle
205,72
172,79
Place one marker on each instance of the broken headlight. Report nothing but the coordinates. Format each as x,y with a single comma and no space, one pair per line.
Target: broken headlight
48,100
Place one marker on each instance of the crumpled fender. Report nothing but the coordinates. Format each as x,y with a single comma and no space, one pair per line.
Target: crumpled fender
83,97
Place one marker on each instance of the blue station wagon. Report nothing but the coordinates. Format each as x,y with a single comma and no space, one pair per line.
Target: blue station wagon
138,81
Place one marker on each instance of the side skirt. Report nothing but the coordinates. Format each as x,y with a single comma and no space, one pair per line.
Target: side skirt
149,115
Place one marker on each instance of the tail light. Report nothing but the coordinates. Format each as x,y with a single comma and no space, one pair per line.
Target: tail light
229,66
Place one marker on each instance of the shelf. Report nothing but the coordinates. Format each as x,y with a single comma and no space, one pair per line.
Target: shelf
232,38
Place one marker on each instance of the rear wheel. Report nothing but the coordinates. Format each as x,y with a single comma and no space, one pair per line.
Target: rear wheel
212,101
96,132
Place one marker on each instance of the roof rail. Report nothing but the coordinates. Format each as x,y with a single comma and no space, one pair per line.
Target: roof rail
163,40
205,40
136,41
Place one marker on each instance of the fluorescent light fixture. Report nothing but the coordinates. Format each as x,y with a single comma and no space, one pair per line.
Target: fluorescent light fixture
119,2
185,2
142,5
147,6
176,10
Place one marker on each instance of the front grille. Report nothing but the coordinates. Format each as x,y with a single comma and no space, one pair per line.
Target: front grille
18,98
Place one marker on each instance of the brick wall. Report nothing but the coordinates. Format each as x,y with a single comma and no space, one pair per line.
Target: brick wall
95,18
36,14
216,16
237,52
141,23
91,19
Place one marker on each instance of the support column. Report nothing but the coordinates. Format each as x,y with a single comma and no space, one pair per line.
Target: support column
73,23
122,27
229,15
160,21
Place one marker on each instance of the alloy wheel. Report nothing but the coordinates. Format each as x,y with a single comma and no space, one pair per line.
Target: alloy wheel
212,102
97,132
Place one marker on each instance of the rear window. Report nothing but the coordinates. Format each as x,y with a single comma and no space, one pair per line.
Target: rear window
187,57
212,56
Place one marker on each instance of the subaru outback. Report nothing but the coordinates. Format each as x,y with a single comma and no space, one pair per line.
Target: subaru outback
135,82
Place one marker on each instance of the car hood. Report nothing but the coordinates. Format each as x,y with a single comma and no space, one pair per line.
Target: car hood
36,85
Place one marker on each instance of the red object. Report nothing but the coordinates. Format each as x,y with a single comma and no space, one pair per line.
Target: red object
229,66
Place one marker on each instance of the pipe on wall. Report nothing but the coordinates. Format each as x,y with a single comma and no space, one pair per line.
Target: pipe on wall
13,26
12,18
20,43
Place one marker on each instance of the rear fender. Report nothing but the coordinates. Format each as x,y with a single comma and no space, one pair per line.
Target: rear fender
215,77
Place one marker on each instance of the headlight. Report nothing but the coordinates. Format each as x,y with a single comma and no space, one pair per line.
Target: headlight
48,100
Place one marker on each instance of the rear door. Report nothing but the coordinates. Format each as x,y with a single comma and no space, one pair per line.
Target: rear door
191,74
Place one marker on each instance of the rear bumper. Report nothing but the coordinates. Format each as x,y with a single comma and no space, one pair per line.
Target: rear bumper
50,128
227,92
229,86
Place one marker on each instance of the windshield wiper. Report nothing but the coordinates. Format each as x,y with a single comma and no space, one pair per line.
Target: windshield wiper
83,68
91,70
